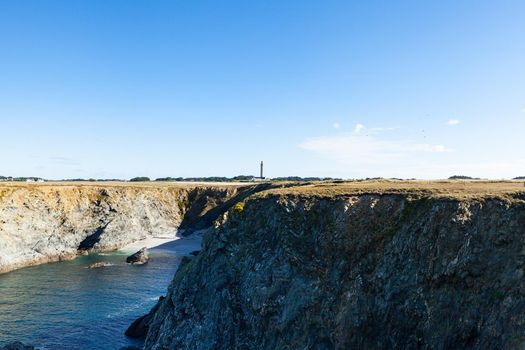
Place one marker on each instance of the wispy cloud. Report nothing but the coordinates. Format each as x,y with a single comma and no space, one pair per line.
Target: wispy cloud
336,125
365,148
358,128
369,152
453,122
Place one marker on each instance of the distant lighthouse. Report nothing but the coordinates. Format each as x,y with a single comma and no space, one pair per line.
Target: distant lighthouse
262,168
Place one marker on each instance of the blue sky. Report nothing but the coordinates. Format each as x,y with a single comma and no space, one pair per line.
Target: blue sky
115,89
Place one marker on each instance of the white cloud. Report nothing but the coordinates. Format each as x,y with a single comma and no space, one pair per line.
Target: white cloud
336,125
370,152
453,122
358,128
357,149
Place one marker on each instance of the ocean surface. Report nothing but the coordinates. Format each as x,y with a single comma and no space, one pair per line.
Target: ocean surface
65,305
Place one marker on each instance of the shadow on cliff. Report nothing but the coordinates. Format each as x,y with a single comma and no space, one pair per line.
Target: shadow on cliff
194,220
90,241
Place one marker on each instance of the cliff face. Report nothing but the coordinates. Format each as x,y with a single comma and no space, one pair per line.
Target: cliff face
42,223
357,271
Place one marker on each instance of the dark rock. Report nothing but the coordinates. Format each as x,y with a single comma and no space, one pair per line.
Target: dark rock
195,252
140,257
185,260
139,328
364,272
131,347
17,346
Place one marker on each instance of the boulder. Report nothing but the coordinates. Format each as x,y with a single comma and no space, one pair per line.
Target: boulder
139,258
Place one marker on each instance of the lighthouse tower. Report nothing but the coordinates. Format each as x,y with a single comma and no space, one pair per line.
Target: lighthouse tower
262,173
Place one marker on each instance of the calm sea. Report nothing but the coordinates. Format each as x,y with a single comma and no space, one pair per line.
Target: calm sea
68,306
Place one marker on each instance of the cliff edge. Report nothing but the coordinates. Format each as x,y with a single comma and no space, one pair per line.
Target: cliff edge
408,266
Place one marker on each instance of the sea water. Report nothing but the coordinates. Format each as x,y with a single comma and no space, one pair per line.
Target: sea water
66,305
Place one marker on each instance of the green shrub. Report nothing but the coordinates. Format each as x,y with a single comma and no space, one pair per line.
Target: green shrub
140,179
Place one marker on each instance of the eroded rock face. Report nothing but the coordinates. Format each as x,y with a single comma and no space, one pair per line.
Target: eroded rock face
139,258
359,272
43,223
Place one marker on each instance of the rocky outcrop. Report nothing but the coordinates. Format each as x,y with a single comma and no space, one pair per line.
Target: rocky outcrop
352,272
53,222
139,258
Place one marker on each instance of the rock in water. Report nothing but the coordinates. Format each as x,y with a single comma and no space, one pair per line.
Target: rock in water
139,327
99,265
139,258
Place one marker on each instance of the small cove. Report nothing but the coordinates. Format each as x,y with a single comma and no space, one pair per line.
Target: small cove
69,306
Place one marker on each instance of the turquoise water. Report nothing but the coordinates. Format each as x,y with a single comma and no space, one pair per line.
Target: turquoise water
68,306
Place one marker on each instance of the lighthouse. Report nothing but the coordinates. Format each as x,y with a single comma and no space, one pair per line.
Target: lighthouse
262,168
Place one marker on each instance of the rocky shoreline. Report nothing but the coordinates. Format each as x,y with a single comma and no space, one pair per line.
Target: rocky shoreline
49,223
327,266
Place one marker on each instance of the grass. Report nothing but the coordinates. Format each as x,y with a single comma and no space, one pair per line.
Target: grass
120,184
454,189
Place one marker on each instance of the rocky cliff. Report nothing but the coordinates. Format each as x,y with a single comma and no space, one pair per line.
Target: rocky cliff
42,223
360,270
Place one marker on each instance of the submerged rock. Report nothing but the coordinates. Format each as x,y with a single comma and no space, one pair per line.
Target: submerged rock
139,258
99,264
139,327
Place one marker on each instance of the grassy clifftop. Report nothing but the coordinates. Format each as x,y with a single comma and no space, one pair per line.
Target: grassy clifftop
436,188
469,189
